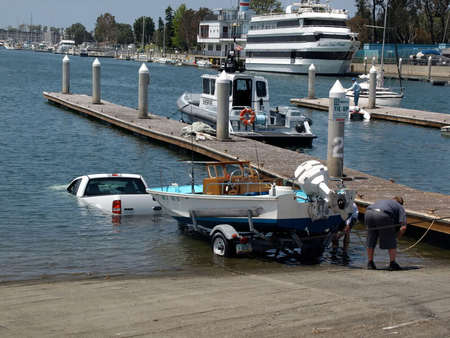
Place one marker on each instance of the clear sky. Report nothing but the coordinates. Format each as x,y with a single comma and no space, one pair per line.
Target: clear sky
63,13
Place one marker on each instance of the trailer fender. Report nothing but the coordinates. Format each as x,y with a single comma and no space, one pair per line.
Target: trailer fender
226,229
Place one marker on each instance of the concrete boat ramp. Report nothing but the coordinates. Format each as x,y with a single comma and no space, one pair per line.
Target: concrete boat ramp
422,207
304,301
395,114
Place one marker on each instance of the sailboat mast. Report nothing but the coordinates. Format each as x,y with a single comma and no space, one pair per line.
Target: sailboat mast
382,46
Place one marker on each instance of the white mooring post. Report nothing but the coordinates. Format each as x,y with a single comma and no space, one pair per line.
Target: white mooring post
337,113
66,75
373,61
429,69
372,87
223,106
96,71
365,64
400,64
144,80
311,81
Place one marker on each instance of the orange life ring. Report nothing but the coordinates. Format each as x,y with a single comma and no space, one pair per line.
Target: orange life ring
247,116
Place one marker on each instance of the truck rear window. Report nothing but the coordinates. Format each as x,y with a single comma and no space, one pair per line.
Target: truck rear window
114,186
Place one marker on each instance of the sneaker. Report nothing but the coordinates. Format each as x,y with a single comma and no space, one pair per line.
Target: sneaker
393,266
371,266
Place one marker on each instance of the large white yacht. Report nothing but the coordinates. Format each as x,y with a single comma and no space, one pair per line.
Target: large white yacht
308,33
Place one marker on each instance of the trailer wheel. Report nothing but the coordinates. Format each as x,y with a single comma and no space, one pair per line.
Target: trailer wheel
221,246
311,251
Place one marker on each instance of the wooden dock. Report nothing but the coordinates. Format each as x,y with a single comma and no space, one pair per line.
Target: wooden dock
396,114
422,207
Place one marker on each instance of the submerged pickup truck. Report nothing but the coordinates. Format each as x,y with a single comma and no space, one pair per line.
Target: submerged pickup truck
119,194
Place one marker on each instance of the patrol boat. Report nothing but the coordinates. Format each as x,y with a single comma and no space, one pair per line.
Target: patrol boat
250,113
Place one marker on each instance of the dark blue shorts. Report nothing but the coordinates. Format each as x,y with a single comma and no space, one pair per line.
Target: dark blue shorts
387,235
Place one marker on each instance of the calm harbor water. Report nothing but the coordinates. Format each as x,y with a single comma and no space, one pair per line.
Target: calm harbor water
45,233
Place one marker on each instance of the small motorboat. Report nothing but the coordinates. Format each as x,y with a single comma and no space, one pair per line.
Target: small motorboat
383,96
235,196
445,131
250,112
355,113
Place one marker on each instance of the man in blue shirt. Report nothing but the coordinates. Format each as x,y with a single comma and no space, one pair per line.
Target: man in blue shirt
382,220
356,88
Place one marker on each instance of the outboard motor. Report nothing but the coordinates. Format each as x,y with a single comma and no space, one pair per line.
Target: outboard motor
313,178
303,125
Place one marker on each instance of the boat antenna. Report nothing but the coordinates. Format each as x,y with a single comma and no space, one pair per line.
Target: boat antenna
398,69
257,157
192,159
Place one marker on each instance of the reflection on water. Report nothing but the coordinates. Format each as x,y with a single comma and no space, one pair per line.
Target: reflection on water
45,232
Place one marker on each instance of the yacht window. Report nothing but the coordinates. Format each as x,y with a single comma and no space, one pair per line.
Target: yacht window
205,86
326,23
287,23
261,89
213,86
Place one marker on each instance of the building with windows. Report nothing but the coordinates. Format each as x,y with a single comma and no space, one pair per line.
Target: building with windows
225,30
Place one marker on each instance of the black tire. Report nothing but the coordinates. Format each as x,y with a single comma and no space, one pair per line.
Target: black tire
312,250
221,246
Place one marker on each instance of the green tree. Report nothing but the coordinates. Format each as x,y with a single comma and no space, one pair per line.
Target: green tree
78,33
124,34
265,6
179,34
186,23
159,34
149,29
169,26
359,24
106,29
362,9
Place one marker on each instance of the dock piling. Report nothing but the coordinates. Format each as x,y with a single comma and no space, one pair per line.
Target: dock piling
373,61
337,113
400,64
372,87
311,81
223,105
144,80
66,75
429,68
96,71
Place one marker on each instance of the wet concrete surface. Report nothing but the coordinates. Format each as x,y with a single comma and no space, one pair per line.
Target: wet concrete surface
242,297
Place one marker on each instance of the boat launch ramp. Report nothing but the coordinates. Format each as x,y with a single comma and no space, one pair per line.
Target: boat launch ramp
424,209
395,114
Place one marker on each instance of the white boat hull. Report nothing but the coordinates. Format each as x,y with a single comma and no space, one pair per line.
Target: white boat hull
281,213
393,100
299,67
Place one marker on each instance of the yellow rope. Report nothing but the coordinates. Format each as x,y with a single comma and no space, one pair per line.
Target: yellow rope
420,239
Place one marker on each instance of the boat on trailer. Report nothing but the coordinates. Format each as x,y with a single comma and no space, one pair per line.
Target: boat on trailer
236,205
250,113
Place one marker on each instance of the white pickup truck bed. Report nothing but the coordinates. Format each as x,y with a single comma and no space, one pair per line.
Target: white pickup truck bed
120,194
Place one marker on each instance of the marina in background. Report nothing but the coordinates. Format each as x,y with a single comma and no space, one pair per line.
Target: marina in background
52,139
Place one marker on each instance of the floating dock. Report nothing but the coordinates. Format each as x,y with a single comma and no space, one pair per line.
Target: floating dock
423,208
396,114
